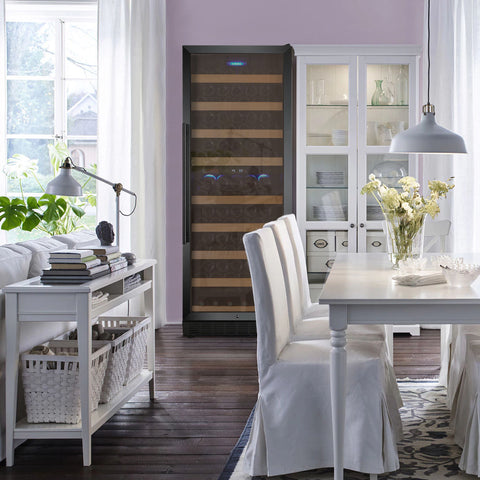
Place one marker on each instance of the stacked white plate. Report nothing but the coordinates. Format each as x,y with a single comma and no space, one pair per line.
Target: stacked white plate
328,179
339,137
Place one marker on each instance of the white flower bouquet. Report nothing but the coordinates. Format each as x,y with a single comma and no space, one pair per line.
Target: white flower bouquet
404,210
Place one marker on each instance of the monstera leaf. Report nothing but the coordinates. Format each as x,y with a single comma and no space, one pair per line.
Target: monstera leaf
12,212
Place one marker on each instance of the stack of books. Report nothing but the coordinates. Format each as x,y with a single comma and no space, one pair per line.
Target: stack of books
110,255
73,266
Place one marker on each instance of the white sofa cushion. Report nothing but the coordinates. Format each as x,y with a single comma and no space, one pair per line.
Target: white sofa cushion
41,249
80,239
15,264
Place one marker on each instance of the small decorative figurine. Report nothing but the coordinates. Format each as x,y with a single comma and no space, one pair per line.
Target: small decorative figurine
105,233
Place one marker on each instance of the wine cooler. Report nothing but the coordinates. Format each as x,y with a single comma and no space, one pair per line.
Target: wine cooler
238,175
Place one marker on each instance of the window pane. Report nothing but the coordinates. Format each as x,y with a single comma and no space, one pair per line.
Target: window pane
81,107
30,48
81,50
84,154
35,149
30,106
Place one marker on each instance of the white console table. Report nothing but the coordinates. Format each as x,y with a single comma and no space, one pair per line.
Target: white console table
32,301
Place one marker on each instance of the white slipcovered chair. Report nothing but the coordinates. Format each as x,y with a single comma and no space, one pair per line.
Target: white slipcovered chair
466,412
292,429
309,327
309,310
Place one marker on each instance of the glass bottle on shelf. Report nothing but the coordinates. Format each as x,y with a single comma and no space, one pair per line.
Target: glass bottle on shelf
402,86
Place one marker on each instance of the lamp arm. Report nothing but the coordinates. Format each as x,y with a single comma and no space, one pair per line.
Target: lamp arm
118,187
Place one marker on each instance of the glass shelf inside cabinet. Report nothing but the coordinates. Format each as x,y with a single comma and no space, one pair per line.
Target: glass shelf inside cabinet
387,102
327,187
327,105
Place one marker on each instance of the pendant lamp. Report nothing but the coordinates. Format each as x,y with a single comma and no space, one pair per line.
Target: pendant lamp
427,136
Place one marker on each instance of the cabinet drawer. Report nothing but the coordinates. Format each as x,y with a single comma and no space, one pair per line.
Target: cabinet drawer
320,263
341,241
320,241
376,242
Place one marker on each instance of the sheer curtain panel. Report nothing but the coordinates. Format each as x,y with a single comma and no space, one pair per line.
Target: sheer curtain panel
131,125
455,92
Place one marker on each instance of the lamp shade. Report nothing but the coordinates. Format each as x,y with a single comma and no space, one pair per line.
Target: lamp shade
64,184
427,137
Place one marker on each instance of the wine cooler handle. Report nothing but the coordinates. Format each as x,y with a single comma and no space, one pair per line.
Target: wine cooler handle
186,183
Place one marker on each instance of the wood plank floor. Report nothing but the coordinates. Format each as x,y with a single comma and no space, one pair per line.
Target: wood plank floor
206,388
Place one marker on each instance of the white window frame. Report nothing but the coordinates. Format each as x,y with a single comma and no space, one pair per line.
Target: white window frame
58,12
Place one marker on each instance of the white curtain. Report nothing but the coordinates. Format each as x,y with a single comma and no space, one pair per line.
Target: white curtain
131,128
455,92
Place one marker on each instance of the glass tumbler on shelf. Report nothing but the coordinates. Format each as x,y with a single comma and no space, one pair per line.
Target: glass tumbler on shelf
316,91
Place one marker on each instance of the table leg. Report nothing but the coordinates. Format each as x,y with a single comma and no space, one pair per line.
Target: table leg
338,372
84,330
12,330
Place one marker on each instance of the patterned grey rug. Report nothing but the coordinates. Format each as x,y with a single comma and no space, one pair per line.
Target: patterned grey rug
427,450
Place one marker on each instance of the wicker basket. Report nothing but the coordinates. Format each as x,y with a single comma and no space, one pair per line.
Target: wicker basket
140,328
117,361
52,385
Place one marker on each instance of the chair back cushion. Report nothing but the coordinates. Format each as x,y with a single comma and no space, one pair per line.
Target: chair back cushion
287,258
269,294
300,259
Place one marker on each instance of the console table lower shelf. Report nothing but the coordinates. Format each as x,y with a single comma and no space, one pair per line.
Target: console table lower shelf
24,430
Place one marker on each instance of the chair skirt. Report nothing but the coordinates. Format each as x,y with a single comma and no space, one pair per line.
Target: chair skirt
292,428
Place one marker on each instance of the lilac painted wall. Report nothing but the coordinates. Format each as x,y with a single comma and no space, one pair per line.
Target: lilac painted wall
262,22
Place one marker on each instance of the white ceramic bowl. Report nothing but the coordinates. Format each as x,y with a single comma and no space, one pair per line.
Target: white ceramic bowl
462,275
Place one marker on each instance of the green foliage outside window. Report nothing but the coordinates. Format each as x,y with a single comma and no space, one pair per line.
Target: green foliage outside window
50,214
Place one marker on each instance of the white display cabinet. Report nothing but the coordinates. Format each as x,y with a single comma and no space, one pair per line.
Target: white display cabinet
351,101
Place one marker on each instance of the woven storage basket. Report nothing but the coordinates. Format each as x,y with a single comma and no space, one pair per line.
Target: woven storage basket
51,383
117,361
140,327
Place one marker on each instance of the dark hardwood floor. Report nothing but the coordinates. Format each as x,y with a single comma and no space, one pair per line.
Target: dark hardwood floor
206,388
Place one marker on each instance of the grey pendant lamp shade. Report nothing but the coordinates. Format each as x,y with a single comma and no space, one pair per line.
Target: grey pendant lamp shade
427,136
64,184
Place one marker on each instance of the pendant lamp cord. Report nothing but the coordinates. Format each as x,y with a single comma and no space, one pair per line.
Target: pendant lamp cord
428,54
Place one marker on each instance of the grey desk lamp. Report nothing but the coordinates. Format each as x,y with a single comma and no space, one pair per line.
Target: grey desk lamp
64,184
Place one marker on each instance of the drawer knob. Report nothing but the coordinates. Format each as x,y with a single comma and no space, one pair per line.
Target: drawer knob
352,225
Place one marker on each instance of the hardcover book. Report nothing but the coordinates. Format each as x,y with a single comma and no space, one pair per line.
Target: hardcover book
83,265
108,257
85,272
71,253
71,278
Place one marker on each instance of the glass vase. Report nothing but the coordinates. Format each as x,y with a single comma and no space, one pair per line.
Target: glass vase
378,96
404,236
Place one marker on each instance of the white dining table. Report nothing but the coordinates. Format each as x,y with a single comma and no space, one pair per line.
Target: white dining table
360,290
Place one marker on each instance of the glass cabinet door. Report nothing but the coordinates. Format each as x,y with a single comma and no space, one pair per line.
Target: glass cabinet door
386,107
